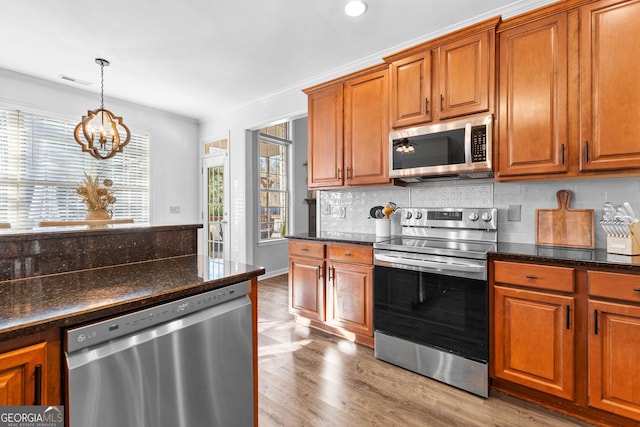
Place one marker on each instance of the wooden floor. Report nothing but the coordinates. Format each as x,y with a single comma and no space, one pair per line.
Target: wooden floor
309,378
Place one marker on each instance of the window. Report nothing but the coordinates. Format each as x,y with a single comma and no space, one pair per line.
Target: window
41,164
273,183
220,144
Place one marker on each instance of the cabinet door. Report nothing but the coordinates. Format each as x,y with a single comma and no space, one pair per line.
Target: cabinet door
534,340
350,297
609,85
533,129
614,346
306,287
411,101
463,76
20,370
366,138
325,155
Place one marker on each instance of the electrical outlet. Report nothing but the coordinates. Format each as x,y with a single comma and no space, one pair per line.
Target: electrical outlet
174,209
342,212
326,209
514,213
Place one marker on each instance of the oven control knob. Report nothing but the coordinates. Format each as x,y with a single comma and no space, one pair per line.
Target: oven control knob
473,216
486,216
409,215
418,215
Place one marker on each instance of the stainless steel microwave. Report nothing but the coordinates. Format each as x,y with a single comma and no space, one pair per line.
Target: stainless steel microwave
454,149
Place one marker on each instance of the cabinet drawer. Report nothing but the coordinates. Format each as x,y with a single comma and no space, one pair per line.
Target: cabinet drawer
306,248
350,253
614,285
559,279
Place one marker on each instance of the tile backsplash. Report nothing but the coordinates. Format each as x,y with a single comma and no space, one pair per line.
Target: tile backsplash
348,210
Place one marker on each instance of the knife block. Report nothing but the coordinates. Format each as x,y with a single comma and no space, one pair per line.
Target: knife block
625,245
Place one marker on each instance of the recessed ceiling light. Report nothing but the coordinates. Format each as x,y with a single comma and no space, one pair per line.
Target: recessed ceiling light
355,8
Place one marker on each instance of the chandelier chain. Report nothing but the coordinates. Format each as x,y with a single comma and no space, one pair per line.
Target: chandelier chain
102,85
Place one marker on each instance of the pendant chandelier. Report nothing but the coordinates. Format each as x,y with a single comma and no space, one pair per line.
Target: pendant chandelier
101,133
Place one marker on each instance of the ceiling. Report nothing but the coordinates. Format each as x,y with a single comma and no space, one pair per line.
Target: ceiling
200,57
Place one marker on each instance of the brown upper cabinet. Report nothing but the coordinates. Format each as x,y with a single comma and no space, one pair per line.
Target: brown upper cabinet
568,93
609,85
444,78
533,126
349,131
411,90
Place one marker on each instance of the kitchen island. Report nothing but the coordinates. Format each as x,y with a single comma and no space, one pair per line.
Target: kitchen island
37,307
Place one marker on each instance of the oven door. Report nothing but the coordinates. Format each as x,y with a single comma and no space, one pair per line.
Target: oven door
442,311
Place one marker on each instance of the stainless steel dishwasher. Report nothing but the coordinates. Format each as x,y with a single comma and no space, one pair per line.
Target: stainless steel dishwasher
186,363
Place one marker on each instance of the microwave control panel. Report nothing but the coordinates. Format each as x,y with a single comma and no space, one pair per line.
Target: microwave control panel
479,144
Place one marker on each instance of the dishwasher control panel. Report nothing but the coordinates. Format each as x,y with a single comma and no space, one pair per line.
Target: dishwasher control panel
95,333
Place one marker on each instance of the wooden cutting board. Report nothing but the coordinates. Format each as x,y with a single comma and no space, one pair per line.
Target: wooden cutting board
564,226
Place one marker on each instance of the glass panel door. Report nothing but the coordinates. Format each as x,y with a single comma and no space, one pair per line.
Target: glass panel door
216,223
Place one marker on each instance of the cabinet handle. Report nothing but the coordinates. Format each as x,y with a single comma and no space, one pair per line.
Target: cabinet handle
330,275
348,174
319,272
441,101
305,249
586,151
562,153
37,394
531,276
426,105
568,320
595,322
347,254
339,173
636,289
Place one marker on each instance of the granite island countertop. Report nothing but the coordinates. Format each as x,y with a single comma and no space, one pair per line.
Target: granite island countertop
40,303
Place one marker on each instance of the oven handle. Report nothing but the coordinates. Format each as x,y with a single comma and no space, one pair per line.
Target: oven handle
398,262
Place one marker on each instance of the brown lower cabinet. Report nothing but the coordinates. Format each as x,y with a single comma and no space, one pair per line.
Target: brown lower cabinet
30,370
331,288
567,337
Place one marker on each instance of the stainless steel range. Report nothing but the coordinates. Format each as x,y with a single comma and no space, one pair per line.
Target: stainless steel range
431,299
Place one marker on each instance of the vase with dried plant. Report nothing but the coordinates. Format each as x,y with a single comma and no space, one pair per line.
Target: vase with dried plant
97,197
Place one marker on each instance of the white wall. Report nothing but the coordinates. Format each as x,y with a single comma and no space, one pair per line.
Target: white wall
175,159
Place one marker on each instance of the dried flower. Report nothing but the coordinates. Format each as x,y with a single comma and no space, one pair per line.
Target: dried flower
94,195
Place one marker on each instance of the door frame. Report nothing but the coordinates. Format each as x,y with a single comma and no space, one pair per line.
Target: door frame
218,157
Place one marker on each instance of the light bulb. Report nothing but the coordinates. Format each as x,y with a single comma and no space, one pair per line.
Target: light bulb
355,8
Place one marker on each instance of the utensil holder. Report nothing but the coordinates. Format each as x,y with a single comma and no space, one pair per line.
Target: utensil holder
383,227
625,245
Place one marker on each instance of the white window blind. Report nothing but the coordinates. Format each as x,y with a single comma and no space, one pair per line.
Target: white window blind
41,165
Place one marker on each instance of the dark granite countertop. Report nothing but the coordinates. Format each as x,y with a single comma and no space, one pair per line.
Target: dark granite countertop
59,300
573,256
340,237
25,234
